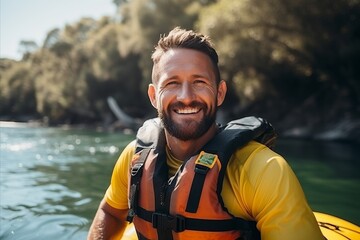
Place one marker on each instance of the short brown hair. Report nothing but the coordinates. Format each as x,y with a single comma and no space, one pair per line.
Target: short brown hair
181,38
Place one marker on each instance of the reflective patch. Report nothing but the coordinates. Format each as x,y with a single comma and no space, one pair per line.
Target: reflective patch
206,159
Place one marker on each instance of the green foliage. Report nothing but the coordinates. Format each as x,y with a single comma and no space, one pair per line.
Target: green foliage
27,47
288,49
17,93
145,20
276,49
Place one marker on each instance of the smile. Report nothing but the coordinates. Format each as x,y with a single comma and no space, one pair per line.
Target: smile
187,110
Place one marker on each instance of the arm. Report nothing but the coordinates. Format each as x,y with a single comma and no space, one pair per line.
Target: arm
110,219
109,222
262,187
278,203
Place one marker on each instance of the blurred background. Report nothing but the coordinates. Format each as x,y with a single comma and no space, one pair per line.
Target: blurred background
295,63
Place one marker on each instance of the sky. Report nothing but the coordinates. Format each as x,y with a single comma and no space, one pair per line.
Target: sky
33,19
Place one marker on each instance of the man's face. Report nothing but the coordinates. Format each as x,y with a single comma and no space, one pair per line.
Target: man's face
185,93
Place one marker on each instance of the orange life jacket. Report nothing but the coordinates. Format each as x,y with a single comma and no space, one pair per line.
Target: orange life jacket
189,204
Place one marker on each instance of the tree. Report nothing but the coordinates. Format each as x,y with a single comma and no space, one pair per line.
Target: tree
52,38
27,46
300,51
288,47
17,92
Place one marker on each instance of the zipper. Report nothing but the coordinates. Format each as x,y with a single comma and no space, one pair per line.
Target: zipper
163,194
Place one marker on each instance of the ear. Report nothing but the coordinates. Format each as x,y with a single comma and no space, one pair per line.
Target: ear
222,88
152,94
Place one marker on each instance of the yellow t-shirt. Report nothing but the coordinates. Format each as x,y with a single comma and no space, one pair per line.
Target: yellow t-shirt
258,185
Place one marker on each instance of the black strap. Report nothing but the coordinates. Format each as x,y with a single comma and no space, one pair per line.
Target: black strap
234,135
162,194
136,170
136,173
196,188
179,223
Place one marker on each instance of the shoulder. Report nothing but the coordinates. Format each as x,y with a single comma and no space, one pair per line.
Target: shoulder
258,172
254,157
260,164
129,150
266,190
116,194
124,160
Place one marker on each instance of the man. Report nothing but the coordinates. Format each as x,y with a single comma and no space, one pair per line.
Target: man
258,186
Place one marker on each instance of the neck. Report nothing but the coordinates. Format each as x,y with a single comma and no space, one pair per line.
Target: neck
183,150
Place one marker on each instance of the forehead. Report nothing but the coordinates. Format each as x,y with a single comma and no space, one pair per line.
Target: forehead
180,60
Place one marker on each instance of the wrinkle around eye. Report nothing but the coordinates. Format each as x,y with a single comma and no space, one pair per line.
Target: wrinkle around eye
169,83
200,81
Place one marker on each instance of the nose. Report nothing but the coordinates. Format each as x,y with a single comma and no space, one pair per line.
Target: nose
186,93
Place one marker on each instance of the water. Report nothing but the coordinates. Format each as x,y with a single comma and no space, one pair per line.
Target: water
52,179
329,175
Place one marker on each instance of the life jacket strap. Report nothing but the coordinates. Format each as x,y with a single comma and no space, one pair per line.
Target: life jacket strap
163,222
196,188
136,173
136,170
203,164
179,223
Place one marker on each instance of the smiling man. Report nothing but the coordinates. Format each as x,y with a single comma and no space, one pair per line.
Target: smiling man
184,177
186,92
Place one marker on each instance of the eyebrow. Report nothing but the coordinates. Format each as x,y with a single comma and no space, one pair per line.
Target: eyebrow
193,76
199,76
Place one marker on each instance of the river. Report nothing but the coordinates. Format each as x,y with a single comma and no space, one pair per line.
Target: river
52,179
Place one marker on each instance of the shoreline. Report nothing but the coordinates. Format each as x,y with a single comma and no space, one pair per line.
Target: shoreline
295,133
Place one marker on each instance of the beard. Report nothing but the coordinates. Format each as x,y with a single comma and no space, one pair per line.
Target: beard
188,129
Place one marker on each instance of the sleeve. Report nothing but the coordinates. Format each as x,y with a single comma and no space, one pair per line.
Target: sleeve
117,193
272,195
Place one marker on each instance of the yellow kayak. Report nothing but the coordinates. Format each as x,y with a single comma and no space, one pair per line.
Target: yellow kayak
333,228
130,233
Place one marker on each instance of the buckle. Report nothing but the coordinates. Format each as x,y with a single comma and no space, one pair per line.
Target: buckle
130,216
179,223
163,222
135,168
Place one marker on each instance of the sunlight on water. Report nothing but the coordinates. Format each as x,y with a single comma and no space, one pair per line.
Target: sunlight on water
52,180
16,147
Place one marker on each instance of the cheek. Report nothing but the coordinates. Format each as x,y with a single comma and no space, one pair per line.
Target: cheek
209,94
163,98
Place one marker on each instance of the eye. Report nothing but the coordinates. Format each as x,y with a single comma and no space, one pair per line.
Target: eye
199,81
171,83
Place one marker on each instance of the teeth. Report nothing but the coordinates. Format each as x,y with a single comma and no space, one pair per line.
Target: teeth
187,110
